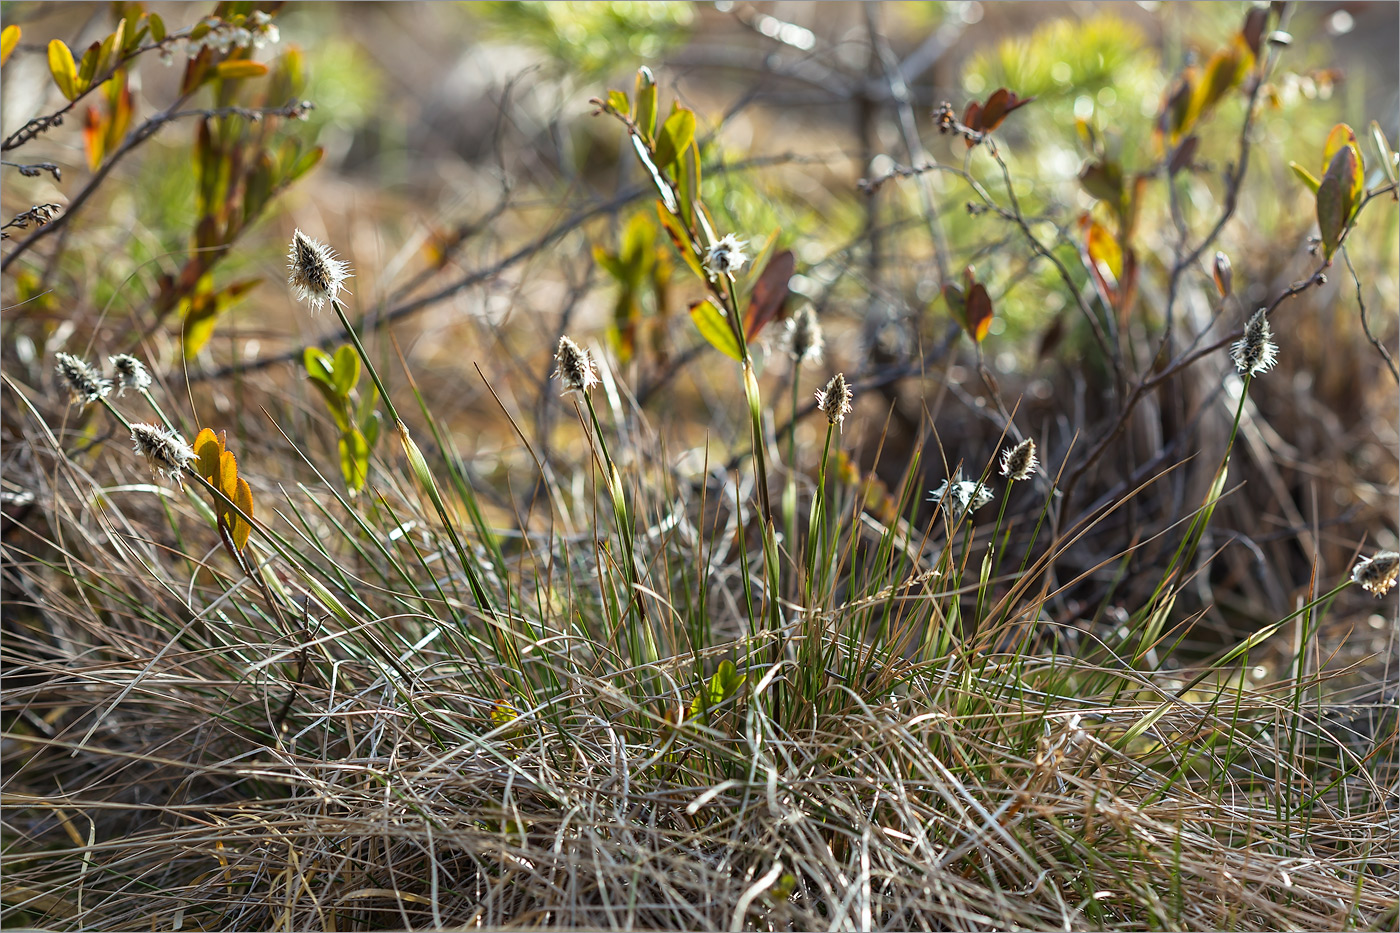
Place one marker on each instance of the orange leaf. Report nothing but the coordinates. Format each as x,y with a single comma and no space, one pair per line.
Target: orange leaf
240,68
93,138
207,448
238,528
228,474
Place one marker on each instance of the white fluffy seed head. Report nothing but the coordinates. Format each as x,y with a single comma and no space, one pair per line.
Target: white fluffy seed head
84,382
726,257
835,400
804,342
313,272
1377,574
575,369
131,373
960,496
1255,353
165,451
1019,463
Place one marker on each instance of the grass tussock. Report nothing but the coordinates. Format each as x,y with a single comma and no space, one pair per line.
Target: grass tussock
298,662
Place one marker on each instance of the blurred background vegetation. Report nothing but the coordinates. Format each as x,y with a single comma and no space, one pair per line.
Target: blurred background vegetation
471,188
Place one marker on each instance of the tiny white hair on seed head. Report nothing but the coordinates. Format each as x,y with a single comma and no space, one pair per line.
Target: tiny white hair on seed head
313,271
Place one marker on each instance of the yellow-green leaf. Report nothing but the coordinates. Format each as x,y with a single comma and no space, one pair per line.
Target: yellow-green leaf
63,69
157,27
9,38
346,370
1308,178
676,134
645,118
713,326
354,460
240,68
1384,151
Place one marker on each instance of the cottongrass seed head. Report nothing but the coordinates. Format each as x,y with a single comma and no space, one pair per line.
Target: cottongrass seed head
575,368
165,451
1377,574
131,373
803,338
1019,463
313,272
960,496
1255,352
835,400
84,382
726,257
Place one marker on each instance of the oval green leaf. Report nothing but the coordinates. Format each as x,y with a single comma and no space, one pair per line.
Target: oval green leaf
711,323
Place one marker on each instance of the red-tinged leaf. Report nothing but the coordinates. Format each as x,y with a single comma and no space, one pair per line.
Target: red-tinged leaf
1354,171
1103,180
9,38
63,69
1127,285
1253,32
711,323
1183,154
1223,274
119,108
1132,206
1339,136
978,311
769,293
994,110
196,70
1177,114
673,229
87,67
1104,258
240,68
972,116
93,138
1334,200
1222,73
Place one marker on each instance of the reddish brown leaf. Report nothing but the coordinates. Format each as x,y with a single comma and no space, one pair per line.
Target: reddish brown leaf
978,313
1254,22
770,293
1183,155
